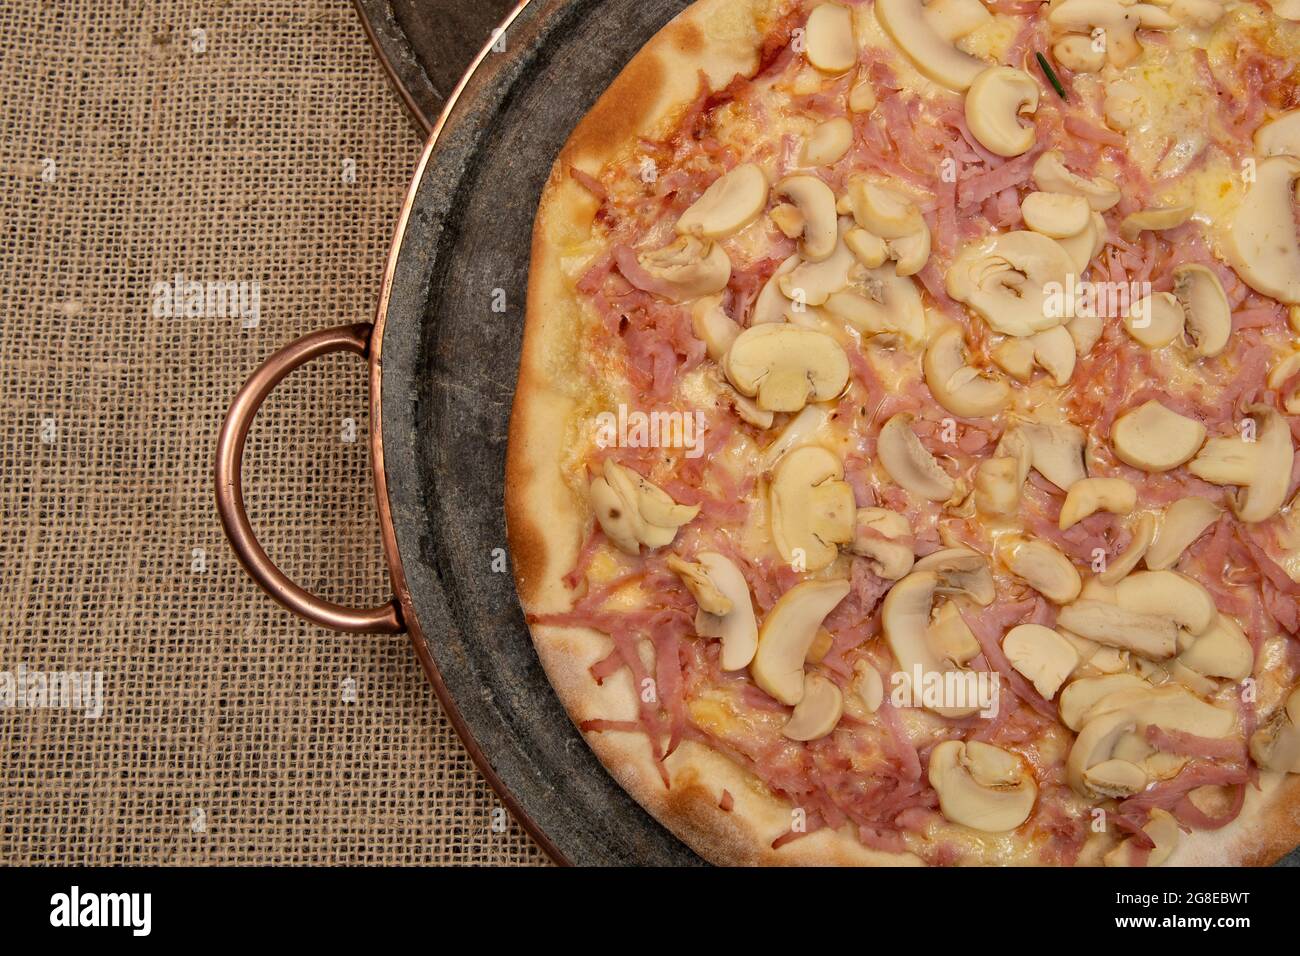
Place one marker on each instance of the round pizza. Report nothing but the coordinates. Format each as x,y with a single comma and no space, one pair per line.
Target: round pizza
902,467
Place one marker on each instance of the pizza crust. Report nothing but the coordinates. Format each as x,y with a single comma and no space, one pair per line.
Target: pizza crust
547,521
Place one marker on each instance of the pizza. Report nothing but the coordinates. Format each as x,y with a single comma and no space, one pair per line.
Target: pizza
902,467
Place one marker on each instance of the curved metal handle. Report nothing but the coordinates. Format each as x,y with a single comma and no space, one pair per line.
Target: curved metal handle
384,619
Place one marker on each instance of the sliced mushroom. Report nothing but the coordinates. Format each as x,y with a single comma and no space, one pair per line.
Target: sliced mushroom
905,619
1078,54
1115,779
1120,22
961,571
737,628
746,408
786,366
995,103
1155,320
884,536
1153,438
1095,745
1015,357
686,269
1042,566
870,688
1182,523
828,143
1055,452
909,464
1279,137
829,40
1205,305
958,387
812,283
1222,650
1280,375
1008,278
881,302
1170,706
1276,745
1055,215
1168,594
713,326
1155,219
731,203
812,508
907,25
815,201
817,712
800,430
1080,696
1087,497
862,95
868,248
910,253
1143,534
882,210
787,217
1082,248
1053,176
1054,353
1162,832
1153,637
771,303
787,635
1044,657
998,484
633,511
981,786
950,637
1261,243
696,578
1260,468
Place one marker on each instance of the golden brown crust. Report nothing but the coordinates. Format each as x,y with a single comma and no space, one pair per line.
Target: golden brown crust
547,521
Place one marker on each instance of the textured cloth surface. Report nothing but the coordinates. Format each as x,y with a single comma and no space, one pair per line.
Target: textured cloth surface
251,143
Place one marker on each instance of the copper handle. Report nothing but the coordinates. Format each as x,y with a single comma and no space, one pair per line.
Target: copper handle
384,619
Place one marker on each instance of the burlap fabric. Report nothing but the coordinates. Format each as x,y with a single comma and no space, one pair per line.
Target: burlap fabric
216,140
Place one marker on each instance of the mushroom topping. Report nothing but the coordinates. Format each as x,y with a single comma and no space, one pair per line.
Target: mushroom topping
1155,320
634,512
1276,745
771,303
713,326
1044,657
1261,468
1007,279
1053,176
745,407
1091,495
958,387
812,507
1205,305
1261,243
909,464
736,628
1278,377
786,366
817,712
888,304
1115,779
1221,651
815,201
868,248
862,97
1163,834
884,536
812,283
995,102
981,786
1170,595
882,211
1082,248
998,482
1120,21
1054,353
907,25
1078,54
787,217
1055,452
829,38
1183,523
1279,137
696,578
870,688
950,637
684,269
1152,636
1015,357
905,619
1143,534
1080,696
731,203
798,431
1153,220
910,253
1153,438
828,143
787,635
1095,745
1055,215
1042,566
961,571
1170,706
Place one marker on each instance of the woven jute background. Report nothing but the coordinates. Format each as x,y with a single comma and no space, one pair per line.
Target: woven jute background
244,142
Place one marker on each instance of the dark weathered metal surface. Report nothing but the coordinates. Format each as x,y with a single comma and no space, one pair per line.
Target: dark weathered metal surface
449,366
